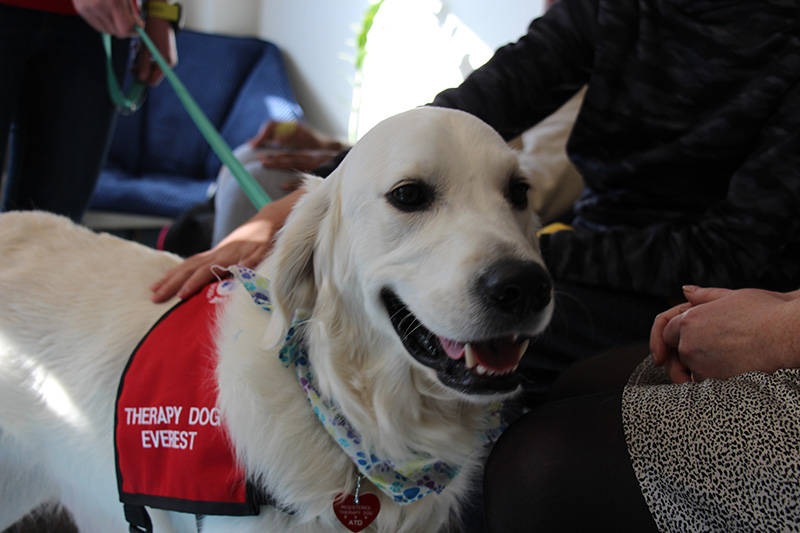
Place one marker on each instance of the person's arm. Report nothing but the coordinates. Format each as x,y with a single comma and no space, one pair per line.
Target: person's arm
721,333
526,81
248,245
740,241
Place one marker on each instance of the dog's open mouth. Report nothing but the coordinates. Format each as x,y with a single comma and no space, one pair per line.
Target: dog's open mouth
485,367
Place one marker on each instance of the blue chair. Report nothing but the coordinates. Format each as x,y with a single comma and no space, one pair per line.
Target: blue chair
159,164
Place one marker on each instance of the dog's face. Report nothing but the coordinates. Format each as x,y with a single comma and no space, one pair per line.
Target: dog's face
426,233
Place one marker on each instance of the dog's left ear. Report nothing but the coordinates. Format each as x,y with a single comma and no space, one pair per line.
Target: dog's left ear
293,287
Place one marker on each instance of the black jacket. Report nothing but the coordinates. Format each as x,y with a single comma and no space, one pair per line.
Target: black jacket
688,139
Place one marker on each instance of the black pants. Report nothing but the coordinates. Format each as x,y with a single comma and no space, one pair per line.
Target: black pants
565,466
54,108
587,322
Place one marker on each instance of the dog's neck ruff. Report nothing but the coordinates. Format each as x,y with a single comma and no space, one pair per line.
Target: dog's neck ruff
404,482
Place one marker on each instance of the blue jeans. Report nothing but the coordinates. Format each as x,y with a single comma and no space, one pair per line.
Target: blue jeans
54,109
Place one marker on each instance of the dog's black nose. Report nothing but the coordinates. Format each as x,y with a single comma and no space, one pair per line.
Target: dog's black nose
516,287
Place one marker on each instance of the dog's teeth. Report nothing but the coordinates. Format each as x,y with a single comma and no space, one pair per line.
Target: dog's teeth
469,356
523,346
488,372
472,363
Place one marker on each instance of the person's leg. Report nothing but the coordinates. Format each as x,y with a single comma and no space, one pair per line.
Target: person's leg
18,30
587,321
64,119
565,467
232,207
609,371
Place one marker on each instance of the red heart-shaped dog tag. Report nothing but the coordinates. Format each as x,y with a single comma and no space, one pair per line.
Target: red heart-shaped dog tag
356,516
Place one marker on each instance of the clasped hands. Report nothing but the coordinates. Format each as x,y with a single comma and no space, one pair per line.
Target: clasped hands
720,333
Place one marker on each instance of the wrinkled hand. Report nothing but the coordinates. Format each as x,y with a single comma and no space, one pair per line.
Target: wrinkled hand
162,34
115,17
721,333
293,136
248,245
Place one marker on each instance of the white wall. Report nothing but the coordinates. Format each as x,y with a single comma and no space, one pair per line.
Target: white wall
317,41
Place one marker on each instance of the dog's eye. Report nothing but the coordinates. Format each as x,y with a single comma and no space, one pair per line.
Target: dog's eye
518,193
410,196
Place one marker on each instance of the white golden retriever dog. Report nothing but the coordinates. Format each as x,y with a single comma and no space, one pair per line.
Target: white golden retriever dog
417,266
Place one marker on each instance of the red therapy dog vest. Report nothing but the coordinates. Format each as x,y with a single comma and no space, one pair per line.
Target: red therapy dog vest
172,450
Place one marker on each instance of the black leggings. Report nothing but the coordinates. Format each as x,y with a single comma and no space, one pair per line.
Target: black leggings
565,466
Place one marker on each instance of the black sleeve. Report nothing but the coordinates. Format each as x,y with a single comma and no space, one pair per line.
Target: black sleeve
747,239
526,81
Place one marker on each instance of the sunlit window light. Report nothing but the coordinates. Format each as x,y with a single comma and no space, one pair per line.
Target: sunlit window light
414,50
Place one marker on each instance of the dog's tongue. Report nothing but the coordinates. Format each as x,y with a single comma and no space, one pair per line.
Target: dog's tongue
453,349
499,355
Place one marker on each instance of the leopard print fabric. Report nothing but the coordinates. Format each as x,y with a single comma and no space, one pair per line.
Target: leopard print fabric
716,456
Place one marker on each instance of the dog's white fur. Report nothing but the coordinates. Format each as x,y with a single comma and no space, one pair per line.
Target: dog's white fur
73,305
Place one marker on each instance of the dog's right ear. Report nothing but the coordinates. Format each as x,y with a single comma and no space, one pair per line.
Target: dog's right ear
293,287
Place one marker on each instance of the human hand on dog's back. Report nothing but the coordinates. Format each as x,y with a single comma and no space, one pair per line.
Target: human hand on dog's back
248,245
721,333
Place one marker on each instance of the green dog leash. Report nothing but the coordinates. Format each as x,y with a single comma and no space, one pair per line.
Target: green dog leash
130,102
126,104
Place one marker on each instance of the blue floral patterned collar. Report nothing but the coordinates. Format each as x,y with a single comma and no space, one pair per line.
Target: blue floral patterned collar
406,482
